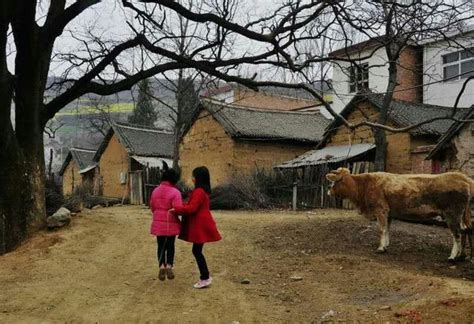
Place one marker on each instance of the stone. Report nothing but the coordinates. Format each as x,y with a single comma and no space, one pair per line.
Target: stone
296,278
386,307
60,218
97,207
245,281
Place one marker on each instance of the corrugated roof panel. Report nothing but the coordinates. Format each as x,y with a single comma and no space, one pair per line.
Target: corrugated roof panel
329,154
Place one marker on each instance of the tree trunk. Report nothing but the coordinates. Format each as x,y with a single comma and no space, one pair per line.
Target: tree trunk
381,149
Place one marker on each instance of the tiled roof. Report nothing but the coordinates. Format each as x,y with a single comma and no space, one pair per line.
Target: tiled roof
406,113
145,141
82,157
249,123
403,114
139,141
324,87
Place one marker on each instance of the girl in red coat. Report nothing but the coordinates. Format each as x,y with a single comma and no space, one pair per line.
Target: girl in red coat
198,226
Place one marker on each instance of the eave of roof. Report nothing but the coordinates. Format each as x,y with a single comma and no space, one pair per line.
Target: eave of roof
328,155
448,136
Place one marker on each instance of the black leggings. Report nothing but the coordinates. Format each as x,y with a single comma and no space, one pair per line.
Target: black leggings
201,261
165,252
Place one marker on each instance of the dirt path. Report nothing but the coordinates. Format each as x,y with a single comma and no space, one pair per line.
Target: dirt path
103,268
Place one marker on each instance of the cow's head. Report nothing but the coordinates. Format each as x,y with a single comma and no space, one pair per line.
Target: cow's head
339,179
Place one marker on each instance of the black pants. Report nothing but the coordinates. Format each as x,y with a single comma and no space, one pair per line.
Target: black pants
165,252
201,261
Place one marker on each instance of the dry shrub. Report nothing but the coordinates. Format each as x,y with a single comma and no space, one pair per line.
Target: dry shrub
54,196
259,190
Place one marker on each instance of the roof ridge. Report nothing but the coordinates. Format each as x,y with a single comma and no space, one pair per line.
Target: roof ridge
80,149
263,110
142,128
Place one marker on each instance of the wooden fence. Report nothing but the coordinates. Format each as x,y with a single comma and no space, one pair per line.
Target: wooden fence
310,186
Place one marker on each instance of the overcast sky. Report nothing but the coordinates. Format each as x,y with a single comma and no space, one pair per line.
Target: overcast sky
109,18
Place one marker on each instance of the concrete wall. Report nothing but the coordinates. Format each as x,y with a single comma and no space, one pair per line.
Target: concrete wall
444,93
408,76
71,178
400,145
113,162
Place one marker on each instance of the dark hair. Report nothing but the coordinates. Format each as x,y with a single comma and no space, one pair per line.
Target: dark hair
203,179
170,175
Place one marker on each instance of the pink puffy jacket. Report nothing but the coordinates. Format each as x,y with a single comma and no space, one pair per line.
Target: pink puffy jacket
163,198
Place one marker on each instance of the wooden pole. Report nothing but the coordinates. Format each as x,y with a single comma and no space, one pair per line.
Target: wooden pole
295,194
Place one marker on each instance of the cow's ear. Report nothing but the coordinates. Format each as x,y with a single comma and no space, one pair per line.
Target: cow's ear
343,171
333,177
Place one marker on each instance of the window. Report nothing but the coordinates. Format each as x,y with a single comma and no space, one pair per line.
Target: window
458,65
359,77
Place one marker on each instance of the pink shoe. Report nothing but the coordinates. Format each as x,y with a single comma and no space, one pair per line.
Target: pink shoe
203,283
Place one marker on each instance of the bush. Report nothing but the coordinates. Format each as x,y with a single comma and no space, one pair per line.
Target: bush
259,190
54,196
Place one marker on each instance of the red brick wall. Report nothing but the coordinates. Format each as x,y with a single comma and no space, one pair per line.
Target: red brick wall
410,76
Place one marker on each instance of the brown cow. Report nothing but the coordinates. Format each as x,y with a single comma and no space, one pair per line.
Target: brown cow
378,195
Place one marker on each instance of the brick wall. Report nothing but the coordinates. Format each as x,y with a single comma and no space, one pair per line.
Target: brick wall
399,144
410,76
71,178
206,143
263,155
264,100
114,161
418,156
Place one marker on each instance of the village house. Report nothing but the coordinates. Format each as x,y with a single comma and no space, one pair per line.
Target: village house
273,98
126,158
455,149
406,151
371,72
78,170
232,140
446,65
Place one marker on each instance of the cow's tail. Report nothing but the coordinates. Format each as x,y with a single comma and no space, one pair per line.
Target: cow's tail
467,230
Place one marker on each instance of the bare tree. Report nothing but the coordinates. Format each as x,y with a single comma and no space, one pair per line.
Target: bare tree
105,65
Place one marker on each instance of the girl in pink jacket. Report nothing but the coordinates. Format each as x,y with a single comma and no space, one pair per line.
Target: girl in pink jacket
165,226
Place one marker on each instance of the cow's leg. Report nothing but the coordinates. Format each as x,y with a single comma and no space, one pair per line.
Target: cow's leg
457,245
382,220
387,238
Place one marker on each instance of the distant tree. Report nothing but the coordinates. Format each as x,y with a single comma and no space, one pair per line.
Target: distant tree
144,113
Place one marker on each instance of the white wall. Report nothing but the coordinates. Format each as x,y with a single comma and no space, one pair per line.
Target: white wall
378,77
444,93
227,97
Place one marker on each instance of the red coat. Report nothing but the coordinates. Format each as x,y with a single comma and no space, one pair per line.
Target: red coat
198,226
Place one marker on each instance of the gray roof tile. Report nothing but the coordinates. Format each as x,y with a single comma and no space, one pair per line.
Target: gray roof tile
82,157
145,141
248,123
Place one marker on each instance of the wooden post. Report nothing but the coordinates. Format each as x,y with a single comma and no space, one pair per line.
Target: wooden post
295,193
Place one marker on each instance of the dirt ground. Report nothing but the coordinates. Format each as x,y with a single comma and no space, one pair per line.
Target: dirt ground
102,268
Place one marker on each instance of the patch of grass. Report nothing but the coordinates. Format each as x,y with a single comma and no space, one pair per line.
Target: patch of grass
84,110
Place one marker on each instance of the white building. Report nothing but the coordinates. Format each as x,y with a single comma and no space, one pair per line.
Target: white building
446,65
371,72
